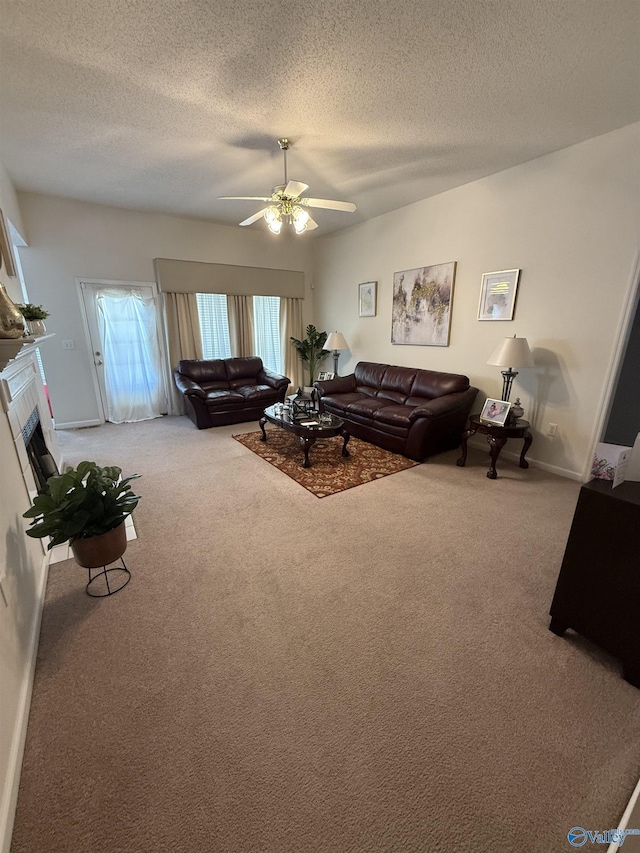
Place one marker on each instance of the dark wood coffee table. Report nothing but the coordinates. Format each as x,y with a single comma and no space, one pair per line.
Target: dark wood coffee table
308,435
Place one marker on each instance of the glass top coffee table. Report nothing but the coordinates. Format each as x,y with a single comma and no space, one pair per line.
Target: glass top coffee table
308,429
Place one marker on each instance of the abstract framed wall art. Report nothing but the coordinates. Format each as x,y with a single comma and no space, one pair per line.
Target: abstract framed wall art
422,298
367,299
498,295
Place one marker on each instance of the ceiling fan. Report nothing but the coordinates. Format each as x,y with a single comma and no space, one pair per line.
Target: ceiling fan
285,204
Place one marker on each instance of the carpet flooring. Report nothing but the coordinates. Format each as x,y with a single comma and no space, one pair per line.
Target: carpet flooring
367,674
330,472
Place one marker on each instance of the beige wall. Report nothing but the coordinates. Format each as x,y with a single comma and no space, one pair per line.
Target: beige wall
570,221
70,239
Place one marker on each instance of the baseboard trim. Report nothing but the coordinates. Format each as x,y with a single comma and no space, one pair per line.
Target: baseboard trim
12,779
78,424
535,463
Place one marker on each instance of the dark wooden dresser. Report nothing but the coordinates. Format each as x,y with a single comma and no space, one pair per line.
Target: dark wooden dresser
598,589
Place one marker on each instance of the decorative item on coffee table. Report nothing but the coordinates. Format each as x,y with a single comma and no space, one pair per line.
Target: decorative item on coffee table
308,429
87,507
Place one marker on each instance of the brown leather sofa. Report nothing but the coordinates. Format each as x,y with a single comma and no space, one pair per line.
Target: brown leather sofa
403,409
228,390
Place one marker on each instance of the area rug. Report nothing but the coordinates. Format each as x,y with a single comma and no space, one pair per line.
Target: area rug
330,471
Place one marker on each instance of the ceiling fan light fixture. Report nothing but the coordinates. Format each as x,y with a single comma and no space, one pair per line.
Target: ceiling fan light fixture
286,204
272,214
300,216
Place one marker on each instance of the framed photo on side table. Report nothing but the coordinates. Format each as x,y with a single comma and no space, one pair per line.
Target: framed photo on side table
325,376
367,298
495,412
498,295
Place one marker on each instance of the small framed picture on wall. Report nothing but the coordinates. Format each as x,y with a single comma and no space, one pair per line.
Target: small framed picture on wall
498,295
367,298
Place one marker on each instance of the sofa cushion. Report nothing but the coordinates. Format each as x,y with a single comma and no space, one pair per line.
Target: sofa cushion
203,371
365,406
242,368
255,393
340,402
224,400
392,396
395,415
368,376
214,386
398,381
430,384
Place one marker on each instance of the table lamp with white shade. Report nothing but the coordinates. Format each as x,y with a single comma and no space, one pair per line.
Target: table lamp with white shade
336,342
512,352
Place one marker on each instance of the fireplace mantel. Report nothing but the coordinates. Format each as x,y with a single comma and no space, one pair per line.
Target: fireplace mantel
14,347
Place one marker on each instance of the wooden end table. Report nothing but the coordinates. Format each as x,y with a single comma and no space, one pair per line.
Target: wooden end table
308,435
497,437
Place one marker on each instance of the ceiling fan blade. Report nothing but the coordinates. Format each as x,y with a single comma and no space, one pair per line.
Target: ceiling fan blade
253,218
244,198
328,204
311,224
295,188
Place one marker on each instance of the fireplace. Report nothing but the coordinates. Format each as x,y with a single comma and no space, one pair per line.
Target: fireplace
25,405
42,462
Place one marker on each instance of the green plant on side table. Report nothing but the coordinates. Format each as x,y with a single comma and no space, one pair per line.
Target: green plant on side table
86,506
311,350
34,315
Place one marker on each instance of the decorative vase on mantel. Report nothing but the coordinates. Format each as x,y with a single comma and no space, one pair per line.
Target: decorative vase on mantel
36,328
11,320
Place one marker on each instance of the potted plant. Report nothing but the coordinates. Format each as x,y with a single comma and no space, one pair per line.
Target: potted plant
311,350
85,506
34,315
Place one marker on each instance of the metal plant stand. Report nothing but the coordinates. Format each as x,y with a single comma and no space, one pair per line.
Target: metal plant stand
102,577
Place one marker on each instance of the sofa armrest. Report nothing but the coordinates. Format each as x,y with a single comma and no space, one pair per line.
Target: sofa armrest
339,385
275,380
444,405
188,386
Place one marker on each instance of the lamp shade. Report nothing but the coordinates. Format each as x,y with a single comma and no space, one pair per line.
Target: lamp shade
336,341
512,352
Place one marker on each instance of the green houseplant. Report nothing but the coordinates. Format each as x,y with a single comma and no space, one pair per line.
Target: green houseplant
33,312
85,506
311,350
34,315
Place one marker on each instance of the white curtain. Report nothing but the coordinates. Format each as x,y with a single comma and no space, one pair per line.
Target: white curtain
291,327
132,364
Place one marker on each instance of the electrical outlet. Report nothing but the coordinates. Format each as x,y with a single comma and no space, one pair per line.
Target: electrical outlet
68,345
552,429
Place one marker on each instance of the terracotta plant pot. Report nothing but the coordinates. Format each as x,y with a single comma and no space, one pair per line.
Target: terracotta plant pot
98,551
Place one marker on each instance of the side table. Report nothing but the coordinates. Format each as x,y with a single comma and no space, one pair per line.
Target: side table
497,437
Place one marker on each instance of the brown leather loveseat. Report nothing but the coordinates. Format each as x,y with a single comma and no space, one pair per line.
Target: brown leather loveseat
228,390
403,409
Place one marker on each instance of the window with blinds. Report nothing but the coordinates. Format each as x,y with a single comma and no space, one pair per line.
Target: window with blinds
214,325
266,320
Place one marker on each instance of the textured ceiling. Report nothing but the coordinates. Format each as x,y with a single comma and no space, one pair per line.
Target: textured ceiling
166,104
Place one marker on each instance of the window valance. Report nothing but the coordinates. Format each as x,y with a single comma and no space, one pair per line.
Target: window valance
197,277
